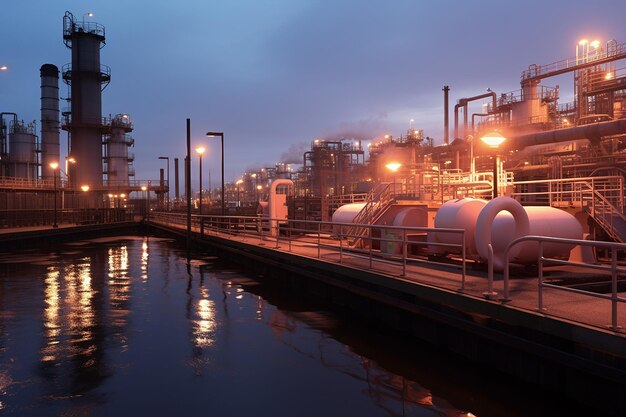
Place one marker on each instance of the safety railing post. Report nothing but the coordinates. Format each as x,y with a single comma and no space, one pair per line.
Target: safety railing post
490,294
371,244
463,261
340,244
540,278
319,232
614,300
277,232
404,252
289,236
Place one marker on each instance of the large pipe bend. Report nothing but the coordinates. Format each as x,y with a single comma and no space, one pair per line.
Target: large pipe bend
272,202
484,225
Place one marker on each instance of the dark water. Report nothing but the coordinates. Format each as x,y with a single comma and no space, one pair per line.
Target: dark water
123,327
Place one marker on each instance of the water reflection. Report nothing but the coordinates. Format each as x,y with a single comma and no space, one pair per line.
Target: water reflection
145,254
395,394
71,355
105,337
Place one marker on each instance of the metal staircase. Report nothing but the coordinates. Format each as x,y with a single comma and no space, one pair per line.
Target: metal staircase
378,199
606,207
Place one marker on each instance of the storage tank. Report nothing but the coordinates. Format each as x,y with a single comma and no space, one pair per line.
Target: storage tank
504,219
457,214
117,156
347,212
23,151
406,217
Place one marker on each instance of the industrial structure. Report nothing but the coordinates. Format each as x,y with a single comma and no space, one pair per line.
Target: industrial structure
97,157
566,155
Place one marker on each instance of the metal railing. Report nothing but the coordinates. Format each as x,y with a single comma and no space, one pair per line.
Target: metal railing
398,252
45,217
602,197
385,248
616,52
613,269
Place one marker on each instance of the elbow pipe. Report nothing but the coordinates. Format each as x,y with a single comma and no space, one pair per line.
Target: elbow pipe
456,117
272,203
479,115
463,102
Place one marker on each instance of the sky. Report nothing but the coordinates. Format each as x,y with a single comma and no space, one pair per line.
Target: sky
274,75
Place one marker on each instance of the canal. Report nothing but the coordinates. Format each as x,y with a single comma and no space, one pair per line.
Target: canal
132,326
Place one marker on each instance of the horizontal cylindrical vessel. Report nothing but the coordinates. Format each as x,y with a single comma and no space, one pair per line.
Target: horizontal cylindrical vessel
457,214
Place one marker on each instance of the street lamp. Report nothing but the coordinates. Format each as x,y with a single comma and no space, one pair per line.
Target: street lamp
494,140
393,167
200,151
85,188
221,135
237,184
258,189
55,166
4,68
145,201
166,158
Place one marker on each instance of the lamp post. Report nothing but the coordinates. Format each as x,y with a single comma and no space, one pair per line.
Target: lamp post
4,68
494,140
221,135
166,158
393,167
200,151
145,201
55,166
237,184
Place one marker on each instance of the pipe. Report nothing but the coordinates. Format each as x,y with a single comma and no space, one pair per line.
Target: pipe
456,117
592,132
479,115
446,114
272,203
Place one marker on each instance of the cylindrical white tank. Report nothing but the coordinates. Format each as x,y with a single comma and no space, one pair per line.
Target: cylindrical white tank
407,217
457,214
504,219
117,151
22,152
347,212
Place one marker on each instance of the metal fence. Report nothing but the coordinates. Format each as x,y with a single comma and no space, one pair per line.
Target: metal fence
32,218
411,253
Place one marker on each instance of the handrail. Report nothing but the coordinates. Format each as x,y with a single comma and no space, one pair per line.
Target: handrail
252,226
307,238
613,268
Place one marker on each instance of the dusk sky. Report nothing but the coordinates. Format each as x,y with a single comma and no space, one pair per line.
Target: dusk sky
276,74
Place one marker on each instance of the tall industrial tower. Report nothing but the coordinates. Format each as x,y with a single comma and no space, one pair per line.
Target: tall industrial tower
86,78
50,144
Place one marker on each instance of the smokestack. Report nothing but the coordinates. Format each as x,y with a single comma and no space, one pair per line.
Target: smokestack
50,133
446,112
176,190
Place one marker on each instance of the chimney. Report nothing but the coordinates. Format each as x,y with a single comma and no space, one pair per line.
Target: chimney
50,133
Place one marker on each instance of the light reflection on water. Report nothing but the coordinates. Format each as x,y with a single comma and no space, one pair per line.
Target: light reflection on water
126,327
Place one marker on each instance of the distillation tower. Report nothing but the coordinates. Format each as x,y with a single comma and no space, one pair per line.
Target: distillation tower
86,78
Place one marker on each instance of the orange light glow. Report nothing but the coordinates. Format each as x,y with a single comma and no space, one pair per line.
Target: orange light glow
493,139
393,166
